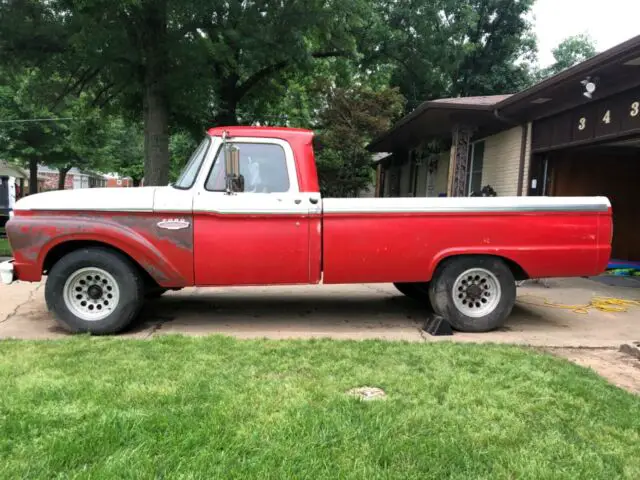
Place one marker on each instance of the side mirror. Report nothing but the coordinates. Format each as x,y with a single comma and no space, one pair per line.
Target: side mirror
234,181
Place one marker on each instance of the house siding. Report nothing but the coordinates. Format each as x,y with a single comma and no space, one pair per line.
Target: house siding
502,161
442,175
405,180
421,184
527,161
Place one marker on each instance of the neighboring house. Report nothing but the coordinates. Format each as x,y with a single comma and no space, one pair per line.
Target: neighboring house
555,138
74,179
12,181
116,181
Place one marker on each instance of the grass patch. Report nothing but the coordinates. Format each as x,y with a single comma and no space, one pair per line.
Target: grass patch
217,407
5,249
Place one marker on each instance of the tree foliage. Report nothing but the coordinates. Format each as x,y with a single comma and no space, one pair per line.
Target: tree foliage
440,48
351,119
571,51
41,127
171,68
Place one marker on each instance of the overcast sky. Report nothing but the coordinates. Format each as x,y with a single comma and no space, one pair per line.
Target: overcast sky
609,22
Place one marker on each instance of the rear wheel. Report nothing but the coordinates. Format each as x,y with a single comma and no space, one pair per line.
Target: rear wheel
94,290
474,293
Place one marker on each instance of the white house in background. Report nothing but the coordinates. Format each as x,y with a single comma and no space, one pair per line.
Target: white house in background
12,180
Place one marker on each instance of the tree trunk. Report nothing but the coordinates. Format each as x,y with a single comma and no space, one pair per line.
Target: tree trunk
156,108
136,181
33,176
228,114
62,177
226,118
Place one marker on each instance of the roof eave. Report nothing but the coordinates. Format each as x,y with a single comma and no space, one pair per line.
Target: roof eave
601,60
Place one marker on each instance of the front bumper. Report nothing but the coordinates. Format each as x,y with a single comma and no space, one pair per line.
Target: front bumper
7,273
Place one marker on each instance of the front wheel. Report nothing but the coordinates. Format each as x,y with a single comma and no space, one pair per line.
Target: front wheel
474,293
94,290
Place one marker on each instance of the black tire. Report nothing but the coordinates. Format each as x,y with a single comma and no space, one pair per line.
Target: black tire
129,282
442,290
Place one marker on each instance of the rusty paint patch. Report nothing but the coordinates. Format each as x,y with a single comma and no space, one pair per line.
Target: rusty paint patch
162,253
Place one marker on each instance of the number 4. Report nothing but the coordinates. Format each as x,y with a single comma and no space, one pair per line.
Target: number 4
607,117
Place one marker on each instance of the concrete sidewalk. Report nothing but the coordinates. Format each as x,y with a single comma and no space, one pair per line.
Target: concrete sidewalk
343,312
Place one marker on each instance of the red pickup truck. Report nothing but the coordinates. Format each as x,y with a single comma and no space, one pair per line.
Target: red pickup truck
247,210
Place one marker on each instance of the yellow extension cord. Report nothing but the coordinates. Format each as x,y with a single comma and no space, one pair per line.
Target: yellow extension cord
603,304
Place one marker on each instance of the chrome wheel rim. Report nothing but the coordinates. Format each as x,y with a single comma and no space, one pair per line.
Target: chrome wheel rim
476,292
91,294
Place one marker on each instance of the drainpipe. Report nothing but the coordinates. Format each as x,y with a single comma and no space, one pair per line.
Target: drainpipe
523,146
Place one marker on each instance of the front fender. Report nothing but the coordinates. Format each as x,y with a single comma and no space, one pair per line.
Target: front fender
166,255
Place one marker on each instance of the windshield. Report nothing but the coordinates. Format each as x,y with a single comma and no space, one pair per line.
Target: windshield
190,171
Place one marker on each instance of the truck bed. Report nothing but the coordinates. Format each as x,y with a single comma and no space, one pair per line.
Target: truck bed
404,239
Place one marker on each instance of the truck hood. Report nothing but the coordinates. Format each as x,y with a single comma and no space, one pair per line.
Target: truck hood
97,199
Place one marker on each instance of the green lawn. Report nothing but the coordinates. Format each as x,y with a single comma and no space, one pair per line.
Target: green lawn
215,407
5,250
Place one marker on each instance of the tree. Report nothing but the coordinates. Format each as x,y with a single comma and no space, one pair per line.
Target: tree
182,64
440,48
351,119
571,51
185,61
119,50
39,129
124,149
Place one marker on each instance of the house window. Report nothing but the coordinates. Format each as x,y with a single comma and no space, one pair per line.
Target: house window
476,161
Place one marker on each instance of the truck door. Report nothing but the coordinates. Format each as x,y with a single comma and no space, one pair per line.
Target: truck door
259,236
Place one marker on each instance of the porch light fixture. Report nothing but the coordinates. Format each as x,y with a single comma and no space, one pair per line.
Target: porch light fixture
589,87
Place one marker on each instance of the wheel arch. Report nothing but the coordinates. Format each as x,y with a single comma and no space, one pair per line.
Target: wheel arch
518,272
58,251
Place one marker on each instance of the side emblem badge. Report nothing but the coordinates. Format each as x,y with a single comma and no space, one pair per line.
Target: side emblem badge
173,224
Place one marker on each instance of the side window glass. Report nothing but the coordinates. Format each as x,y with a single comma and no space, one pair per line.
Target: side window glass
263,166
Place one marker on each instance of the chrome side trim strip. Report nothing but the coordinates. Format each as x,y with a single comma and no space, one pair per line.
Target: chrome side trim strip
251,211
467,205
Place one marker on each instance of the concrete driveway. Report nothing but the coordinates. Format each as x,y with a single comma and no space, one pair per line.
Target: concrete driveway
366,312
344,312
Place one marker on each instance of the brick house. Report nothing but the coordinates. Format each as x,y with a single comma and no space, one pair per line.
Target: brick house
116,181
576,133
48,179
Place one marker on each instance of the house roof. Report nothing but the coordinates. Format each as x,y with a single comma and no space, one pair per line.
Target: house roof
435,118
470,102
6,169
613,62
614,70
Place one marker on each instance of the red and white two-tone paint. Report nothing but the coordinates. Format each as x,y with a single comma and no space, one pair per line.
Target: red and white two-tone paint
105,250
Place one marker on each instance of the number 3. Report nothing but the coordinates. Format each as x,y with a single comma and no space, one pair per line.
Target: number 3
583,124
635,109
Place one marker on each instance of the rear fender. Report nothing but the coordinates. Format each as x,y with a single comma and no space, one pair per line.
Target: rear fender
493,252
